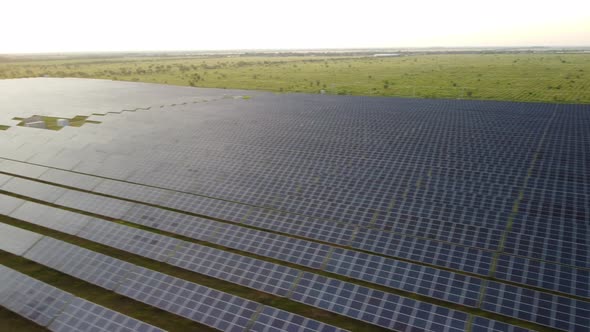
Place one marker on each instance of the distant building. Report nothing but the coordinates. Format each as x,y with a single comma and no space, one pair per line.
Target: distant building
36,124
384,55
35,121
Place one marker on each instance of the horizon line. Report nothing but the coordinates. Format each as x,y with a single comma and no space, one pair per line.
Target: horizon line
312,49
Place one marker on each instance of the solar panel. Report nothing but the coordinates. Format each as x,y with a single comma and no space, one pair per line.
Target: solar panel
273,320
9,204
50,217
15,240
87,265
546,309
559,249
440,284
260,275
376,307
33,189
482,324
58,310
30,298
81,315
15,167
426,251
132,191
133,240
70,179
3,178
556,277
92,203
198,303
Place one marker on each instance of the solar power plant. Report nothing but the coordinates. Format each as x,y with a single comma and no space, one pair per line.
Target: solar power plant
251,211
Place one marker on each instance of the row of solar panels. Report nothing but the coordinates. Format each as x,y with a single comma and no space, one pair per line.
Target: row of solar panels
325,293
297,167
58,310
333,171
558,277
342,142
198,303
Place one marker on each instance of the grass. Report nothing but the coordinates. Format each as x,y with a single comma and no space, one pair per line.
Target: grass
513,77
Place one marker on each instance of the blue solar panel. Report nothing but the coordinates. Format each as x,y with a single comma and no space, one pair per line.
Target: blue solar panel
554,311
482,324
58,310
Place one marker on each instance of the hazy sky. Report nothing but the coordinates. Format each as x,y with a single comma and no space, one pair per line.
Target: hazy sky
120,25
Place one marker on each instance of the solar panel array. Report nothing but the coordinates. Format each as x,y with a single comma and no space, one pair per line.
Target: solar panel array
467,204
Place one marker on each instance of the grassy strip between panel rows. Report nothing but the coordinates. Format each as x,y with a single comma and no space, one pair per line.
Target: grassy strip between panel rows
224,286
256,295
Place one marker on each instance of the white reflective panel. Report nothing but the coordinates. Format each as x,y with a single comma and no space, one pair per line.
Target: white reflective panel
8,204
15,240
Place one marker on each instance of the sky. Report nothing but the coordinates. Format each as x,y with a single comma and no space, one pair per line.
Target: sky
32,26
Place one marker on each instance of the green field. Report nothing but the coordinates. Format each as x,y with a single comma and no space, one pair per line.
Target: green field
515,77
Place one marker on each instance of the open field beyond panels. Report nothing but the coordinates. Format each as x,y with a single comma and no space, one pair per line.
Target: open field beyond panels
510,77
